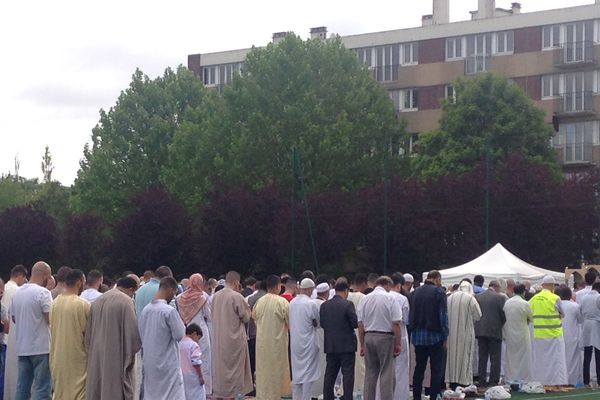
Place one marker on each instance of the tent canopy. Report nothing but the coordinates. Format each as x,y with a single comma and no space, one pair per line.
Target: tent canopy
498,263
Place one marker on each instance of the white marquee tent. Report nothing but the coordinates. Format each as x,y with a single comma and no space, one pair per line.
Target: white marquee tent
498,263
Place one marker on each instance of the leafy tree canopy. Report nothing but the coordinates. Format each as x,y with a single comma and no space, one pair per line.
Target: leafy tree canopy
130,143
309,95
488,111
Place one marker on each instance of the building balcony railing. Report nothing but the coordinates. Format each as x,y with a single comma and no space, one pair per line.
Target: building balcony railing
477,64
575,54
577,104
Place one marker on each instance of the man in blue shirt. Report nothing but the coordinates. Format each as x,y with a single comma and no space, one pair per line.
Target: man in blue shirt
478,284
146,293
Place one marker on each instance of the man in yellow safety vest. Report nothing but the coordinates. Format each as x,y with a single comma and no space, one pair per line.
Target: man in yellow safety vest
549,361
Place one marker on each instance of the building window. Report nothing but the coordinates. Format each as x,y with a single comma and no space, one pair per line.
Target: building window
551,86
551,37
405,99
576,140
450,93
479,51
410,53
454,48
505,42
209,75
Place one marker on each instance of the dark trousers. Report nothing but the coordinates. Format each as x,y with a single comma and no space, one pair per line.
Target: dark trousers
435,355
489,348
252,353
335,361
587,359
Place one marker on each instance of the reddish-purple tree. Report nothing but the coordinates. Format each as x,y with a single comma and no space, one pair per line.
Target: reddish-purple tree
84,240
157,231
26,236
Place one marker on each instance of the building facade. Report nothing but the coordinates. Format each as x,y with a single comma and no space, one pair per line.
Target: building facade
552,55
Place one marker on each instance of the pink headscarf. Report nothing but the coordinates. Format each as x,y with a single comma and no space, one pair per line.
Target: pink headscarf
192,300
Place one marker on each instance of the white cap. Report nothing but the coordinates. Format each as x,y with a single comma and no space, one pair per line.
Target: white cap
322,287
548,280
408,278
307,283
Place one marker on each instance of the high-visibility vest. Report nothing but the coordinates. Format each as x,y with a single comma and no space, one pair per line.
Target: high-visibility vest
546,319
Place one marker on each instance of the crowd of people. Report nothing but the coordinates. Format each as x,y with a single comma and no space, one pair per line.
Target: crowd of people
71,337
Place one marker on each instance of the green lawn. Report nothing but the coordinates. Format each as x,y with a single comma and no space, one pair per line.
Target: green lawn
585,394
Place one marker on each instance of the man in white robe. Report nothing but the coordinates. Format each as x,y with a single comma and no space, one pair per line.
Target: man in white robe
572,322
322,291
463,312
549,361
517,337
304,342
161,329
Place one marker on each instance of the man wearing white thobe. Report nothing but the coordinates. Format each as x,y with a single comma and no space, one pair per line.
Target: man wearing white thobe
322,292
549,361
571,322
517,337
161,329
304,341
590,278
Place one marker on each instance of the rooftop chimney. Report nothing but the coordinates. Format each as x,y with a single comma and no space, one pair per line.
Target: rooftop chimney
441,12
516,8
486,9
427,20
319,32
278,36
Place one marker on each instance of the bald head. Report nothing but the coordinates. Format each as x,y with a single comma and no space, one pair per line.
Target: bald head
40,273
135,278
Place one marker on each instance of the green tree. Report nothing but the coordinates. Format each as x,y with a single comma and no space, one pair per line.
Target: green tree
310,95
17,191
489,112
47,165
130,143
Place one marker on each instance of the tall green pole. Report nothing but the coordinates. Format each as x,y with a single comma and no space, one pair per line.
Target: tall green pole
386,190
487,192
307,210
293,204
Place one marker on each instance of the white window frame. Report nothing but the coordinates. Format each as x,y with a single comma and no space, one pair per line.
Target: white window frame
210,72
556,86
574,138
554,42
413,49
508,38
412,96
399,97
454,41
448,95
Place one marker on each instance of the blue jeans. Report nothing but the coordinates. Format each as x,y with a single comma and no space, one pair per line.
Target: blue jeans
34,370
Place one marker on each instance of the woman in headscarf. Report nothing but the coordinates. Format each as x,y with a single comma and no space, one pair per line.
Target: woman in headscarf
193,307
463,312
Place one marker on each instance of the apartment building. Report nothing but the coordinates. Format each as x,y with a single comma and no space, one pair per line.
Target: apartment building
552,55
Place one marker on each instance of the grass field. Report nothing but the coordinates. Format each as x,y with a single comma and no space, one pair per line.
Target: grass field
586,394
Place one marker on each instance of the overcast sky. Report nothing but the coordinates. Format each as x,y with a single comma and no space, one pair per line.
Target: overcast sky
62,61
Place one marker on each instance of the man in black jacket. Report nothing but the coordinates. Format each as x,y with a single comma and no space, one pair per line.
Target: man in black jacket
338,320
429,331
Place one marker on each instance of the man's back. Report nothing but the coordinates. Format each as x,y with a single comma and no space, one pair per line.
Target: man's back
492,314
112,325
338,320
161,329
28,306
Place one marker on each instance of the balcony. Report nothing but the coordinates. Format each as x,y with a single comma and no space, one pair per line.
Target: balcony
575,54
575,104
477,64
